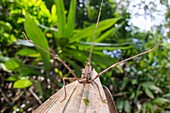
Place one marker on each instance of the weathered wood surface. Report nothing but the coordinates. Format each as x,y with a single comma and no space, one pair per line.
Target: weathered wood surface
88,98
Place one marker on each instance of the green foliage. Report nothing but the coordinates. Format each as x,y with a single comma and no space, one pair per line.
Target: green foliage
37,36
140,85
23,83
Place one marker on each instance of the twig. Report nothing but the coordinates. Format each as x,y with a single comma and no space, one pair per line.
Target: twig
5,97
35,95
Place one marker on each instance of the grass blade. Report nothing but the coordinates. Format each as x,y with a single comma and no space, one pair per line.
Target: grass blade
71,19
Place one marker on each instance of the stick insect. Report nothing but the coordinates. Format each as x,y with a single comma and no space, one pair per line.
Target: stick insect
85,94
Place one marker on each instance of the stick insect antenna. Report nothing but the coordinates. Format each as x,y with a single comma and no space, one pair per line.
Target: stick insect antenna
53,55
107,69
94,36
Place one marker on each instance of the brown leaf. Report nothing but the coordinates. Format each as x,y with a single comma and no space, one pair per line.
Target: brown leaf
81,98
110,100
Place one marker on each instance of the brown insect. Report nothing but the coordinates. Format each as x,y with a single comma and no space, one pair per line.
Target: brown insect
85,94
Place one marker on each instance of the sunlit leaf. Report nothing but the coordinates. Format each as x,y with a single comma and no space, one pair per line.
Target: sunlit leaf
71,19
27,52
103,25
37,36
60,10
12,64
12,78
23,83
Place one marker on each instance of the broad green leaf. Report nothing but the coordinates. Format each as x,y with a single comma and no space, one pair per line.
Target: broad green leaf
71,19
160,101
105,35
3,59
108,32
27,52
151,86
25,71
155,88
132,96
3,67
148,93
12,64
89,31
150,107
127,107
120,105
37,36
7,26
124,84
144,108
23,83
61,19
12,78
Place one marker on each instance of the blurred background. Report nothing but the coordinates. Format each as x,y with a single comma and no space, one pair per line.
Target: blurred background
29,76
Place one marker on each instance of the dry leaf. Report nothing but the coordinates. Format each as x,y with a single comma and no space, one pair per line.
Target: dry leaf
81,98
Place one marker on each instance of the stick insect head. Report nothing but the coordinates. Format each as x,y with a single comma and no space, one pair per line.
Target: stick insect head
86,73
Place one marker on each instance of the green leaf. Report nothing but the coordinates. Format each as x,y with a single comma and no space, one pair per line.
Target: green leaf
23,83
60,17
108,33
3,59
150,107
103,46
89,31
149,93
160,101
12,64
119,105
7,26
150,56
151,86
127,106
144,108
71,19
53,14
27,52
132,96
105,34
37,36
12,78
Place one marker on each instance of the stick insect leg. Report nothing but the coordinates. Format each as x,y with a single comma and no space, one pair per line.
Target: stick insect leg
104,100
107,69
64,87
53,55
